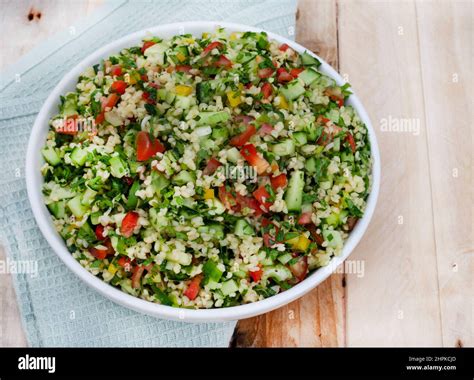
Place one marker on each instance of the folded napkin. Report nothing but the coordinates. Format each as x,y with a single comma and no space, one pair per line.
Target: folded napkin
57,308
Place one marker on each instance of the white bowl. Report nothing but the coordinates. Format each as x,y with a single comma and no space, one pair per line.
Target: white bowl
34,181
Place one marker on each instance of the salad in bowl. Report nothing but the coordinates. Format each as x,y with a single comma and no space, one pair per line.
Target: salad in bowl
206,171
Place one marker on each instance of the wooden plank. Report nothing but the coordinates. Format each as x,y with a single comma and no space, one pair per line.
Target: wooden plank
317,319
396,302
447,81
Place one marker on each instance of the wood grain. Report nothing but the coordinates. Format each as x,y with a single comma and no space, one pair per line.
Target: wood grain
447,27
318,318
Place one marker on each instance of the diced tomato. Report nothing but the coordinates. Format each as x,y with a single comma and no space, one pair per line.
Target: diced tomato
305,218
265,129
125,263
116,70
296,71
154,85
147,146
211,166
211,46
193,288
279,181
99,232
146,45
226,198
249,202
110,101
129,223
244,137
300,268
256,275
266,222
147,98
283,47
144,77
69,127
268,240
119,86
266,90
183,68
314,234
99,119
351,141
250,154
267,72
283,75
262,196
100,254
137,276
340,102
223,61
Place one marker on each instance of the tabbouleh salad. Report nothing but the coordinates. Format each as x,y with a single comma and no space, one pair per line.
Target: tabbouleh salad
218,171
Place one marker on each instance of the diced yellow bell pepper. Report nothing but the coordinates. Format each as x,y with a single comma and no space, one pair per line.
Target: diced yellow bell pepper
205,35
112,268
233,36
208,194
283,103
181,57
234,98
300,243
183,90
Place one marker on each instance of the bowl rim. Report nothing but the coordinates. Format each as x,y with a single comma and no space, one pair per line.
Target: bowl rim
34,180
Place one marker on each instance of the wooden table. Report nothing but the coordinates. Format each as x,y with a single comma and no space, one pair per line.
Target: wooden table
411,64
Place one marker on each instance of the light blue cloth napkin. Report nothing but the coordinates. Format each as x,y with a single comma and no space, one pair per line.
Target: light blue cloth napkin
57,308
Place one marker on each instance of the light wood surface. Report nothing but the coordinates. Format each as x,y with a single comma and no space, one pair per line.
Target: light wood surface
408,62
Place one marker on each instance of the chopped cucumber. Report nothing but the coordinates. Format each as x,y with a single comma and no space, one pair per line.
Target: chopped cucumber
294,192
293,90
88,197
211,271
118,168
308,76
277,272
94,218
179,257
229,287
310,165
76,207
58,209
242,227
156,53
183,177
183,102
156,219
217,230
284,258
79,156
158,182
300,138
233,155
51,156
220,133
333,238
213,118
132,200
308,60
284,148
166,96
